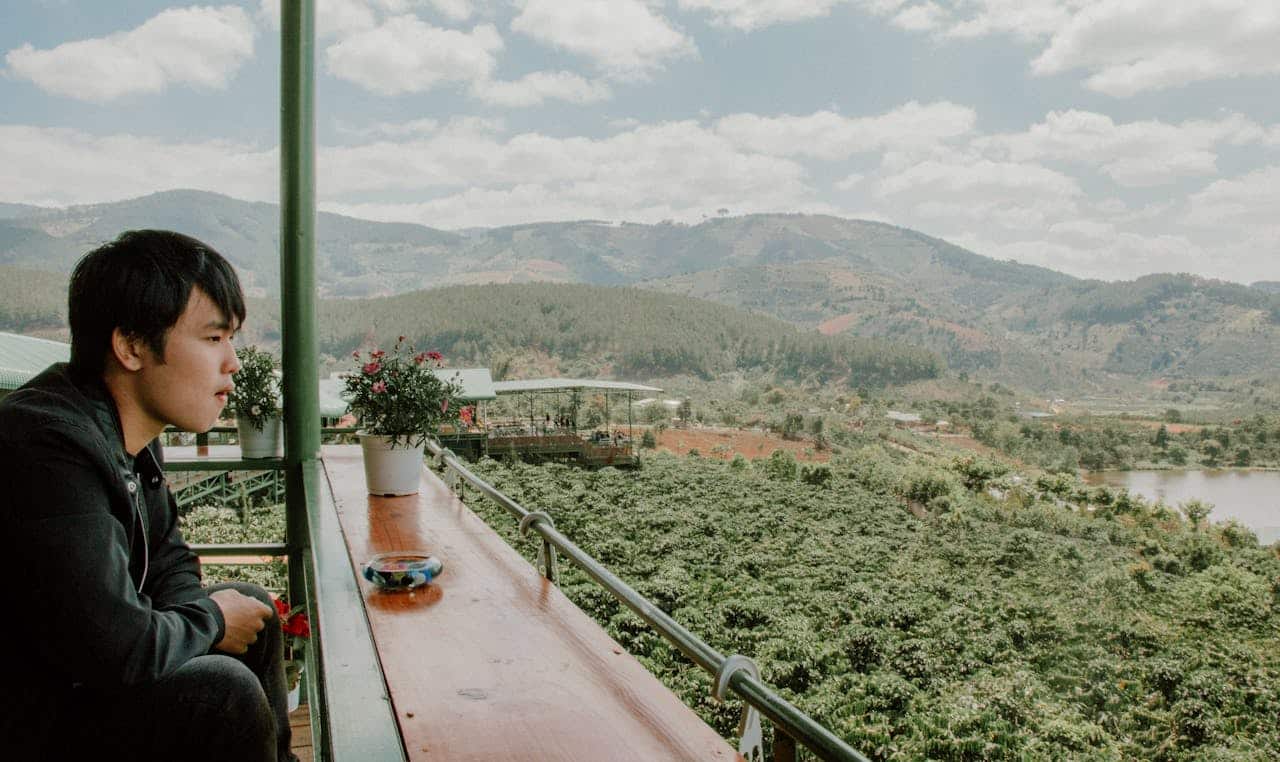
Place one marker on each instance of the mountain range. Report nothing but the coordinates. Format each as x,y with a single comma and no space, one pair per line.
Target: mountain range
1012,322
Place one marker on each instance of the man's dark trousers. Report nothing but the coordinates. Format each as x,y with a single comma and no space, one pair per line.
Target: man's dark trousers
214,708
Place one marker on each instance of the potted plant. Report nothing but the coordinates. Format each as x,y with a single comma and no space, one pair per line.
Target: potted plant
255,402
297,629
399,400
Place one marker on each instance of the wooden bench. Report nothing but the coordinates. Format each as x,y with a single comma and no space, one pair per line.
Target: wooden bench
491,661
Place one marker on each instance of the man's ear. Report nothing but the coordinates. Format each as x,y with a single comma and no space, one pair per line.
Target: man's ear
127,350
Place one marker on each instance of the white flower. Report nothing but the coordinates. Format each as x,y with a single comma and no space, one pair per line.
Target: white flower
255,410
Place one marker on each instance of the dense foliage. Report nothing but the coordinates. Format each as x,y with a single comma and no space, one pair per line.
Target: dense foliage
400,393
1097,444
256,396
1010,622
633,332
240,524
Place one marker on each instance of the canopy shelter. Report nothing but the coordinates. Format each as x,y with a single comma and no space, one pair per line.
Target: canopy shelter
556,433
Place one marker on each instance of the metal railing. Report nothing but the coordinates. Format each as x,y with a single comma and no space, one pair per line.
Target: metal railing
735,671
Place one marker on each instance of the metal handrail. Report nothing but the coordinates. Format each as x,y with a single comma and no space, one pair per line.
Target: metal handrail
757,694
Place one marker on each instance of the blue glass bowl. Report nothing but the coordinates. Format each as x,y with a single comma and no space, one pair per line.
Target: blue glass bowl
403,570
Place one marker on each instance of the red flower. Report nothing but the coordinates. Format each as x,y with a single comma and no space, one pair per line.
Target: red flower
419,358
399,339
297,626
377,353
356,354
378,387
444,405
371,368
433,355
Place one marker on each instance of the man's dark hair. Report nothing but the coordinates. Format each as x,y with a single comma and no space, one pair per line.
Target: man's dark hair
140,283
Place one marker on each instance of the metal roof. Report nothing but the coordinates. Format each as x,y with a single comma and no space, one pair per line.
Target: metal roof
22,357
565,384
477,383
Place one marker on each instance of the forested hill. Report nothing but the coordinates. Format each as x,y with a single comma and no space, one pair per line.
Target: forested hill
1019,324
611,331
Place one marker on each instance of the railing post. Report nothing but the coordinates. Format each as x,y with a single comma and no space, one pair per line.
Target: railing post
784,746
297,270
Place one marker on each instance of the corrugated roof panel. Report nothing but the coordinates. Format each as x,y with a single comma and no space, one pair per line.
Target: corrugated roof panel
22,357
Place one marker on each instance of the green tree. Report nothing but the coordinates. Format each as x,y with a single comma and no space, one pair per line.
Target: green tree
1162,437
1196,511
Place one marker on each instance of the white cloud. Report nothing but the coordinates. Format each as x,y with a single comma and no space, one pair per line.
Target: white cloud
923,17
673,170
968,19
199,46
1016,197
1132,46
533,89
455,10
675,160
1134,154
625,38
830,136
406,55
1082,231
339,18
1024,19
334,18
1251,200
62,166
850,181
748,15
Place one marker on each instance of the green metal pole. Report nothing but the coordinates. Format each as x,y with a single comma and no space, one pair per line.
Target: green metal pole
297,272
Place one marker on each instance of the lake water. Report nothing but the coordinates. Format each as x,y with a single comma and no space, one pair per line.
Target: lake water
1250,497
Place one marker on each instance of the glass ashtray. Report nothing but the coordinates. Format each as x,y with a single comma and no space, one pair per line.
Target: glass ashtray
403,570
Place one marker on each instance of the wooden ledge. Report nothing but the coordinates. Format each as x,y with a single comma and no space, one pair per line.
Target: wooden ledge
491,661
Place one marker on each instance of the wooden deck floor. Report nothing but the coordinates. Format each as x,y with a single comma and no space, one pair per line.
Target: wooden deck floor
300,722
491,661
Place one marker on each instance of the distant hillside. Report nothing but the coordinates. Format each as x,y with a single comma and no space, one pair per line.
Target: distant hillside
1270,286
32,301
620,332
1005,321
8,211
354,257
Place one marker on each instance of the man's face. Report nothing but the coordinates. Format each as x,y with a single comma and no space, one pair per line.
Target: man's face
188,388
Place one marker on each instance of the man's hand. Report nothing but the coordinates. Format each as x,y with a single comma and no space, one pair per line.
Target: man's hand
245,618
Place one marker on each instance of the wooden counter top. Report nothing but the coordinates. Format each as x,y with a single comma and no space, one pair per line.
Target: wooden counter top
491,661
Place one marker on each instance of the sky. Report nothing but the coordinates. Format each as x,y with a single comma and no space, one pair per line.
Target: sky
1102,138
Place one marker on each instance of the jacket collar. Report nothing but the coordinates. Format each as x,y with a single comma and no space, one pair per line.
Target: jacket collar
107,417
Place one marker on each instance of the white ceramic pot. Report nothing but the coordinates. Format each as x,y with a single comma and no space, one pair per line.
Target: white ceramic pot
391,470
267,443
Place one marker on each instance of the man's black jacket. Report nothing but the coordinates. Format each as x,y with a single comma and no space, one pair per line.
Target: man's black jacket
100,588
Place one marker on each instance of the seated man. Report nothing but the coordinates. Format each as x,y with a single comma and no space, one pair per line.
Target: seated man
113,648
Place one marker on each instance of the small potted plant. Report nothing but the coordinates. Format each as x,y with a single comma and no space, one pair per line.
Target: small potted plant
400,400
255,402
297,629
